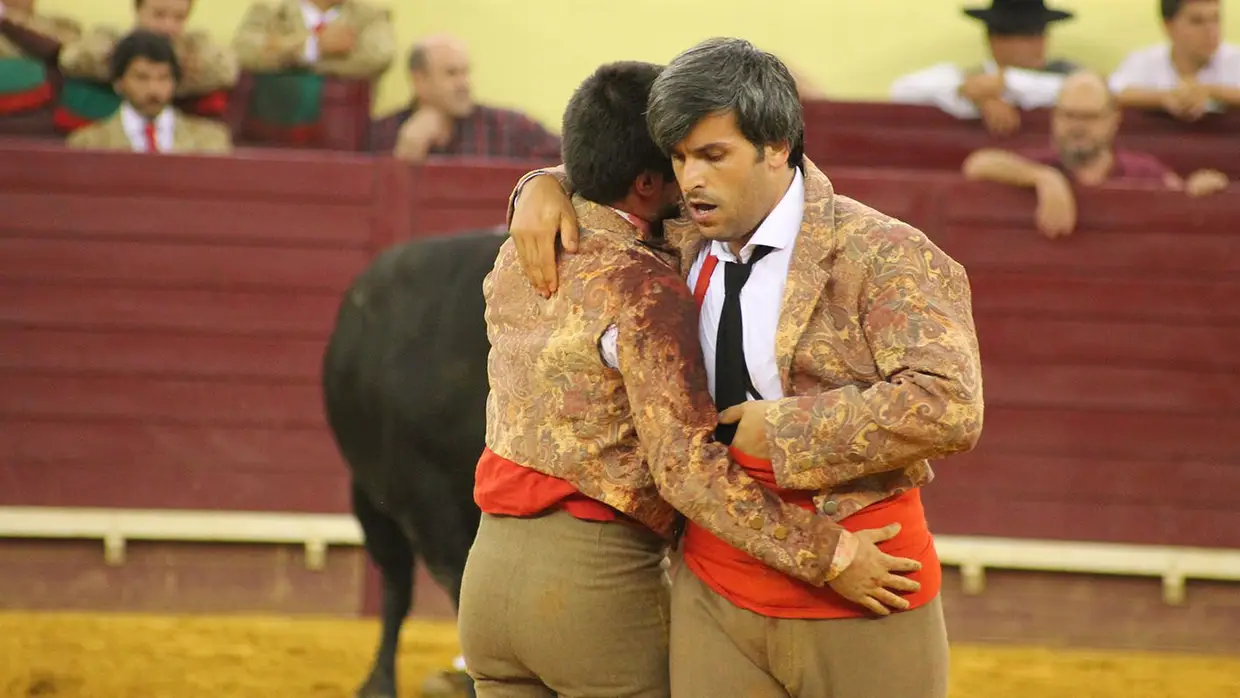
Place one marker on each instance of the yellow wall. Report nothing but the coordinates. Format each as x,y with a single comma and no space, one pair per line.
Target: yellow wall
532,59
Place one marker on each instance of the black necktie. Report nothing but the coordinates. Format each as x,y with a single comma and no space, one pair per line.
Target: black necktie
732,381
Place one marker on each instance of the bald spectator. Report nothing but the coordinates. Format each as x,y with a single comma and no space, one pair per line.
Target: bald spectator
338,38
444,120
1192,74
208,70
1083,128
1018,76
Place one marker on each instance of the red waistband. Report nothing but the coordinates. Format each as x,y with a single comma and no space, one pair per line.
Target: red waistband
750,584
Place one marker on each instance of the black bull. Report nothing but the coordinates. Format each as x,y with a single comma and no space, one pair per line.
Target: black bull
405,389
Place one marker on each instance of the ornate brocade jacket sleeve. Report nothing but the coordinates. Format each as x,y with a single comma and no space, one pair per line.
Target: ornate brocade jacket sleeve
664,377
916,318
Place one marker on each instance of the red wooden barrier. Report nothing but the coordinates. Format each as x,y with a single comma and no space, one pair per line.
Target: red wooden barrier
825,113
163,318
1108,358
162,321
842,134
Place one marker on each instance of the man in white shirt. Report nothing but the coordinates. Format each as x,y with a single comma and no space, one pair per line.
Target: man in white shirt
1018,77
145,72
1194,73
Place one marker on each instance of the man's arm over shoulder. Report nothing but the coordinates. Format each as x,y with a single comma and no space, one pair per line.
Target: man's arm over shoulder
916,316
661,362
559,172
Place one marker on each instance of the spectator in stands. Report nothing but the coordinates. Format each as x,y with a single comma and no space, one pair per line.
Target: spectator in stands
292,47
1192,74
145,71
1018,77
29,44
338,38
443,118
1083,128
209,70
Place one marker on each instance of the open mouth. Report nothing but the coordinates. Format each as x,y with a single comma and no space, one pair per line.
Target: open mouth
701,209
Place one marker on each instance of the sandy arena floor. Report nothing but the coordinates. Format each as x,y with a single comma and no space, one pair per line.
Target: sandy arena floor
125,656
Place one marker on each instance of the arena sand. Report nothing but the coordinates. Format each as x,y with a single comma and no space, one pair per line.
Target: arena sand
54,655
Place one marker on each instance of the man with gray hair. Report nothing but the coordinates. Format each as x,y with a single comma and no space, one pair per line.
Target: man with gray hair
849,361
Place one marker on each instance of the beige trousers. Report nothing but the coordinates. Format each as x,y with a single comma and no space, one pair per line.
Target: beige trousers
719,650
557,606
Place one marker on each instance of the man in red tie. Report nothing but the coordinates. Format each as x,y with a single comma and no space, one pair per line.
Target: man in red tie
145,72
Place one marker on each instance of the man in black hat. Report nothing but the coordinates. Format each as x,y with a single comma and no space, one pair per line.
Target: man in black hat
1018,77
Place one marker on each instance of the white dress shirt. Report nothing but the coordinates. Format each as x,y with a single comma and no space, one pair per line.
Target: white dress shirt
1151,68
135,127
939,85
314,17
762,298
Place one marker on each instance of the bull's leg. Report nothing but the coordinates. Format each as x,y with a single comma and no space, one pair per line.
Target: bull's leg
393,553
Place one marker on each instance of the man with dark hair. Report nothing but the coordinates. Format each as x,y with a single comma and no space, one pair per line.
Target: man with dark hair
444,120
209,70
599,429
1194,73
145,72
849,360
1018,76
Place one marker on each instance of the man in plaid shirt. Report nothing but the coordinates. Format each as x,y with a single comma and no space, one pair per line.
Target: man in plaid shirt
444,120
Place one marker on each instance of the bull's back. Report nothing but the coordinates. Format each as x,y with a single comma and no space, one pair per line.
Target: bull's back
405,365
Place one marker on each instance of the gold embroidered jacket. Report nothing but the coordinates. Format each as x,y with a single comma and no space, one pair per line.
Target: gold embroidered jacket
627,436
877,354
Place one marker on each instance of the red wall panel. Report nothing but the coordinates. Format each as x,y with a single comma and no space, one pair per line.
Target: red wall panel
843,134
163,320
